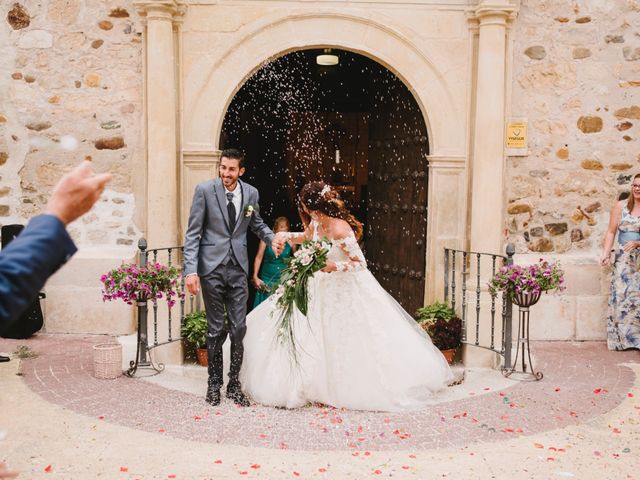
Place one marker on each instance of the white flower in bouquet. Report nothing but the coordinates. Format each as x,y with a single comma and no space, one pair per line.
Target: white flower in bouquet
306,260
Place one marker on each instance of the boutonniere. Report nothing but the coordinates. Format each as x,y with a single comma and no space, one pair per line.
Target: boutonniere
248,210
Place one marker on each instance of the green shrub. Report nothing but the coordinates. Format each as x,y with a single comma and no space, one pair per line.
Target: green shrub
442,325
194,329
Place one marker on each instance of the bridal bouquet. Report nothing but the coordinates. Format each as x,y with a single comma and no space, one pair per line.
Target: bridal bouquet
292,290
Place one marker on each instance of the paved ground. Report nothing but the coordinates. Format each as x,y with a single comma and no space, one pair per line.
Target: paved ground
581,421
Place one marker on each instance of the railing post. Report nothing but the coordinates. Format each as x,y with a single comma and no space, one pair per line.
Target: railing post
446,275
508,317
142,345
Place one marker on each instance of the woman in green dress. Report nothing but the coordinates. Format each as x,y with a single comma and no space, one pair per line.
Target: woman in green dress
267,267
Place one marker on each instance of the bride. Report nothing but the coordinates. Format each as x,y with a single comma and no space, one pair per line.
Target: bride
357,348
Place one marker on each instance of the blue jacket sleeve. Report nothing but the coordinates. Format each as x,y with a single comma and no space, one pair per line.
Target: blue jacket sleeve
28,261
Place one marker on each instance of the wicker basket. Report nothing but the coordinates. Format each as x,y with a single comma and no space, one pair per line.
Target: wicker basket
107,360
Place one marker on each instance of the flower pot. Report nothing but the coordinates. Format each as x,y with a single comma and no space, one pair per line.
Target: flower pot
526,299
449,355
203,357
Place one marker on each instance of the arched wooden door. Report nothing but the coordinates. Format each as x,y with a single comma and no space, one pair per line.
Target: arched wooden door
396,224
356,127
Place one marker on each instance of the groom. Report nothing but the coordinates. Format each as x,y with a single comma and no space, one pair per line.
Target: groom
215,257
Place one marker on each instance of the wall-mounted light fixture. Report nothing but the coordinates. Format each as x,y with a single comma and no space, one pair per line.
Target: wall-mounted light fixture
327,58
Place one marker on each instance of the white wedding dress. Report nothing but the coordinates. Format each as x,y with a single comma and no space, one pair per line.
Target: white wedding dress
357,348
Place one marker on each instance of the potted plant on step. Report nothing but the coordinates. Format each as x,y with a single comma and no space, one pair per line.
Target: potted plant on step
194,333
443,326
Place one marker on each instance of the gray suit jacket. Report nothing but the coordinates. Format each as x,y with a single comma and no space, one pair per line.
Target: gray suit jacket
209,238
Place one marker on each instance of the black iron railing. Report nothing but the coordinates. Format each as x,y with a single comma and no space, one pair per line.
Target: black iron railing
460,284
170,256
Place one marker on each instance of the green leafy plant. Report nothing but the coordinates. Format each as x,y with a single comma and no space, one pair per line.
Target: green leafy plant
442,325
433,311
194,329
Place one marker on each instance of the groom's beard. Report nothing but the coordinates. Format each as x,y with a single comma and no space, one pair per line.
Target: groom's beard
230,184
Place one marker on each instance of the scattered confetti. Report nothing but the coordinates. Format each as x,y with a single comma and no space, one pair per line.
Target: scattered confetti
48,469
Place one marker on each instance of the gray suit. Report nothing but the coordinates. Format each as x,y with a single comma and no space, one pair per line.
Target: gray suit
219,257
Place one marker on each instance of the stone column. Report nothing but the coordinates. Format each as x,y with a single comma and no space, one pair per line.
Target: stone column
162,207
197,166
487,168
447,210
488,26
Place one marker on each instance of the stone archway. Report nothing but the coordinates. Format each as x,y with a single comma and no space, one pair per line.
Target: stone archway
213,84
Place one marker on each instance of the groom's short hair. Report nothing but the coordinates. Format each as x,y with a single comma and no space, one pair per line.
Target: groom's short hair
233,153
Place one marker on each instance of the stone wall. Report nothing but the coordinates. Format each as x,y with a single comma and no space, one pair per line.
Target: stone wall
71,72
576,77
71,88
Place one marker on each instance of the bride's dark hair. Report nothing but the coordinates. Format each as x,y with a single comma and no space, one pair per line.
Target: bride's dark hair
325,199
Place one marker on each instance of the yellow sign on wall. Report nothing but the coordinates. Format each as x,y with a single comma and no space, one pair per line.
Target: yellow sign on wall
517,135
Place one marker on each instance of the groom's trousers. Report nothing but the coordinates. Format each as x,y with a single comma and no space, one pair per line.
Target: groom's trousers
225,288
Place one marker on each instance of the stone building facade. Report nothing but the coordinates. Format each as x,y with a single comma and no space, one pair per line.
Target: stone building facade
576,70
143,87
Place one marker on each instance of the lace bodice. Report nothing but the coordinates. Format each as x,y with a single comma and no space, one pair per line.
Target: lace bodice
345,252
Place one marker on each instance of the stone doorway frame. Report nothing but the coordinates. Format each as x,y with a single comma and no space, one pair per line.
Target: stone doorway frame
461,130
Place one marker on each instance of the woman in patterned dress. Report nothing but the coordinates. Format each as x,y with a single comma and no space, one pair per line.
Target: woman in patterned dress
623,318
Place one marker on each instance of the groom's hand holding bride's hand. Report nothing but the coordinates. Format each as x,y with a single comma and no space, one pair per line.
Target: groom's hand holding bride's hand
277,244
193,284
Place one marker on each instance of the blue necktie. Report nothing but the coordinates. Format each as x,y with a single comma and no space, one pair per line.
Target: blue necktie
231,209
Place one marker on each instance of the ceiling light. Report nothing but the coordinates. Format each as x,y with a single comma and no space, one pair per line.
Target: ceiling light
327,58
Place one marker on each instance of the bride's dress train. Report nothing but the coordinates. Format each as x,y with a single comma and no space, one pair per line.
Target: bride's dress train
357,348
